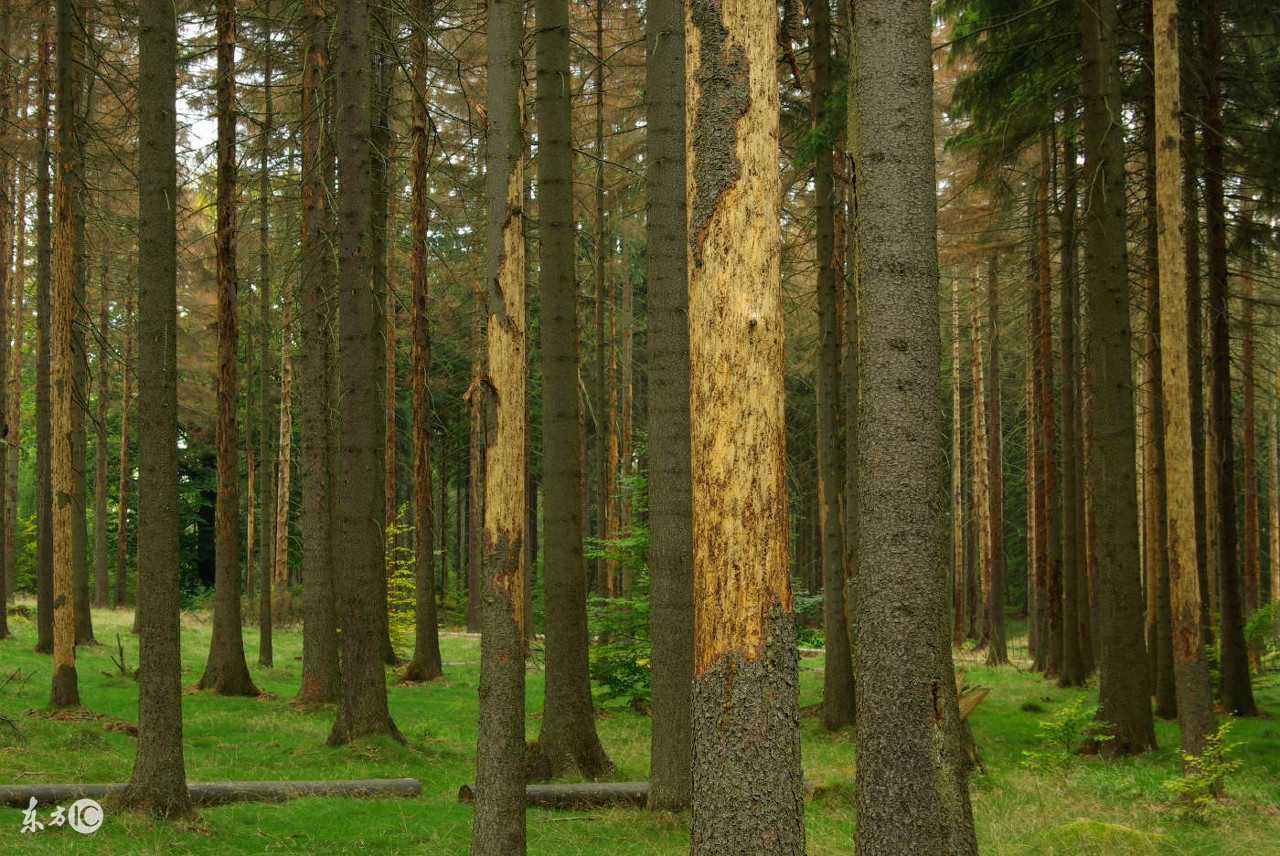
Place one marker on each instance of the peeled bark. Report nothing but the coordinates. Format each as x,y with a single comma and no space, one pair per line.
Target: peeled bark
746,739
498,390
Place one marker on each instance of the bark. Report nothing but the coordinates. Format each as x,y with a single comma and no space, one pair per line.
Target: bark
362,706
1048,470
746,739
101,582
980,474
226,672
498,828
44,280
1273,467
280,598
601,415
1196,718
225,793
1038,545
1075,582
320,676
997,650
1154,489
78,99
1124,691
158,785
670,512
567,741
1252,564
126,470
7,287
909,745
266,458
957,483
1235,691
425,665
65,691
837,677
475,469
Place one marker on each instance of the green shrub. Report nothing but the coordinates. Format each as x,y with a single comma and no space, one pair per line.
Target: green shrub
1204,775
1064,734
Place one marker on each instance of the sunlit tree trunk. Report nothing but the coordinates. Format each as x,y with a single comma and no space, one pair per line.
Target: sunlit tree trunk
44,281
1196,718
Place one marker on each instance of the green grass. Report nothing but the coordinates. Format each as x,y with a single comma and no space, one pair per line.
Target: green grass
1096,808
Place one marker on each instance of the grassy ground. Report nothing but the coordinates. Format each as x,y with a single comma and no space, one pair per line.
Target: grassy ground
1094,808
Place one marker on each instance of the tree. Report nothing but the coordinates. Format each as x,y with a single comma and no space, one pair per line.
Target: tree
44,278
65,692
101,581
670,512
425,665
567,741
1124,696
997,651
908,751
226,672
266,494
320,676
1196,719
122,486
499,391
159,782
362,706
745,705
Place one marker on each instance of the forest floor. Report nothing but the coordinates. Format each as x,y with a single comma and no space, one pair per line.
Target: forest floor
1087,807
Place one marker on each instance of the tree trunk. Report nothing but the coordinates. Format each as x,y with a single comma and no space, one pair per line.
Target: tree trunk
65,691
670,512
1124,691
1196,718
101,581
1235,692
362,707
1047,416
909,750
266,493
979,473
1252,564
1038,542
567,741
498,828
746,739
997,650
425,665
475,468
320,677
16,361
957,482
8,285
159,784
226,672
126,469
280,598
44,280
78,29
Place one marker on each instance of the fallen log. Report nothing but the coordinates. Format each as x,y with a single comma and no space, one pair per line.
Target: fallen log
219,793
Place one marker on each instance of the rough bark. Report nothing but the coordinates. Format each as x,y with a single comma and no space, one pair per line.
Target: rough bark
425,665
670,512
126,469
1124,691
909,745
1196,718
1235,691
1046,415
362,706
65,691
280,598
101,580
957,483
979,473
8,183
158,785
746,740
226,672
79,28
498,828
1249,430
266,459
567,741
44,280
320,677
997,650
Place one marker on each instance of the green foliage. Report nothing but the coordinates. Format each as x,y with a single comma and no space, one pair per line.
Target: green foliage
807,609
1204,775
620,654
1063,735
401,588
1262,632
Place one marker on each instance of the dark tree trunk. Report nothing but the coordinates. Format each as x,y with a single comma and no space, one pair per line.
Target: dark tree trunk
362,707
320,676
909,751
498,391
101,580
159,784
425,665
670,532
226,672
126,469
7,288
567,742
1124,691
266,490
1047,416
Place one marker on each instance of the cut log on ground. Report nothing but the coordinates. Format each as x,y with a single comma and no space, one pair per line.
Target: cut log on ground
582,795
220,793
